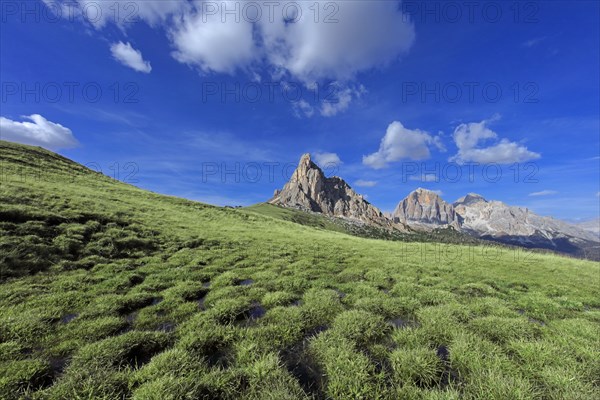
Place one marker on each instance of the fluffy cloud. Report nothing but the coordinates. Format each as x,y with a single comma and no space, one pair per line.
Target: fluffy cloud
425,178
206,41
130,57
39,132
120,12
324,159
543,193
359,36
469,136
363,183
322,41
341,99
303,108
400,143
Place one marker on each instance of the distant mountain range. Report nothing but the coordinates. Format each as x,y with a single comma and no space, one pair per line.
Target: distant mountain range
424,210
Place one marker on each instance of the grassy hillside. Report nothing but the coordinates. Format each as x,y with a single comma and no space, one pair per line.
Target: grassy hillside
112,292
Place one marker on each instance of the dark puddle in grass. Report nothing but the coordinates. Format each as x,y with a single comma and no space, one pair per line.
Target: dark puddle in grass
137,356
156,300
403,323
246,282
253,314
166,327
448,374
129,320
296,303
302,366
340,294
206,285
201,305
58,365
65,319
536,321
256,311
45,379
219,358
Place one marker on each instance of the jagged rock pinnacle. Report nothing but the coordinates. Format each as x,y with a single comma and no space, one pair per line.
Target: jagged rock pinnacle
309,190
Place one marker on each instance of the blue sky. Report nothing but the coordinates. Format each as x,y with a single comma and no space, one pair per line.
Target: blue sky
218,107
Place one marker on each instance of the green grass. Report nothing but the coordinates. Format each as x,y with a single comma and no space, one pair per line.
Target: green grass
112,292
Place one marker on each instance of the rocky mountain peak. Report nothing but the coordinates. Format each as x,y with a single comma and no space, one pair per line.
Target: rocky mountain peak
310,190
425,207
470,198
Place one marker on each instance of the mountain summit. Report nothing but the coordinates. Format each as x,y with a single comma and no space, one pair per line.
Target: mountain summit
425,207
495,220
310,190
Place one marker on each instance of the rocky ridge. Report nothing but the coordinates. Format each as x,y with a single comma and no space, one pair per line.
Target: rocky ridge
309,190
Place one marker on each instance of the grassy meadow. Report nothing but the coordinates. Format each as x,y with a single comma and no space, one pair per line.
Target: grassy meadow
111,292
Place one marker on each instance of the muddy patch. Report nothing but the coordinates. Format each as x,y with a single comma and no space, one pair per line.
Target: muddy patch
129,321
311,333
58,365
303,367
156,300
448,374
536,321
252,315
296,303
403,323
246,282
340,294
166,327
201,304
219,358
138,356
256,312
65,319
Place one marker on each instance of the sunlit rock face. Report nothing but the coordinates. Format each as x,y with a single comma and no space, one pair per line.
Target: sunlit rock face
309,190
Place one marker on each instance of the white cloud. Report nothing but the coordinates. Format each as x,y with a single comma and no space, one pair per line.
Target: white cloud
366,34
543,193
327,159
122,13
302,108
214,45
327,41
363,183
469,136
533,42
130,57
425,178
340,99
40,132
400,143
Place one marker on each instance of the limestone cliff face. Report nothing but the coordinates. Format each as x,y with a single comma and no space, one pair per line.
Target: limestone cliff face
309,190
426,209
